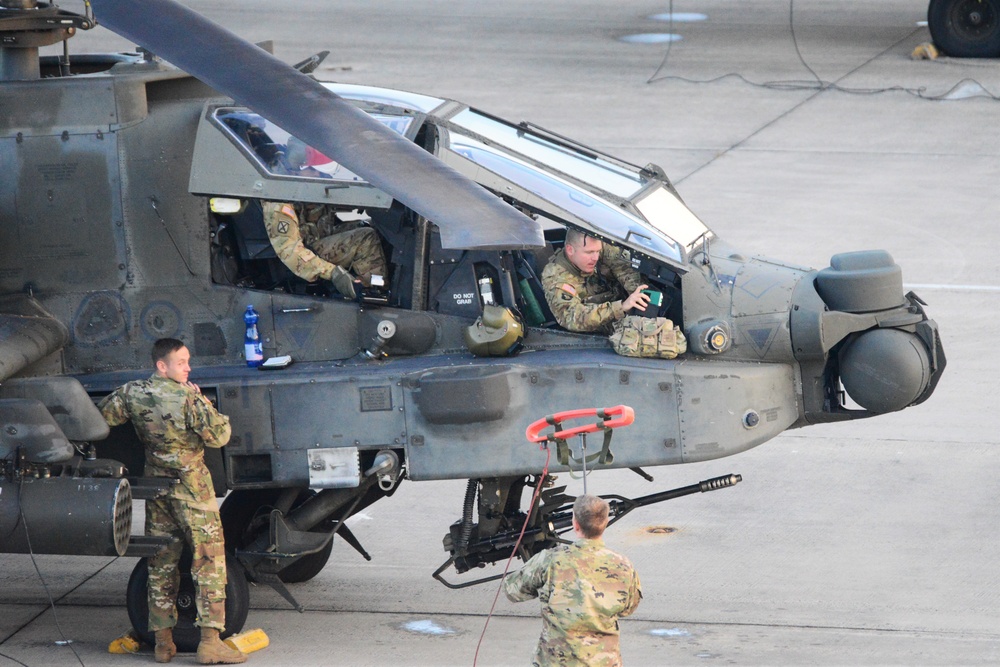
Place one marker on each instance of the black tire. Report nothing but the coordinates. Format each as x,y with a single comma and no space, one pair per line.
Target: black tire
186,633
965,28
242,520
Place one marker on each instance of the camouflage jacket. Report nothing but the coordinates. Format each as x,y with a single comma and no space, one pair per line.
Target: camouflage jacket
282,224
584,588
318,221
174,424
590,302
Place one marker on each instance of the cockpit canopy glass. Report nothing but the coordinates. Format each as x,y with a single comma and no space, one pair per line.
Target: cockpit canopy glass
396,98
588,168
665,212
561,179
613,221
281,154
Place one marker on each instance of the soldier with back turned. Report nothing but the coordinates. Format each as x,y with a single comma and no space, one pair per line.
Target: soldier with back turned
584,589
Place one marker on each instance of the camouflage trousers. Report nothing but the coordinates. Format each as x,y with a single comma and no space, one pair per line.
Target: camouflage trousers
202,530
358,250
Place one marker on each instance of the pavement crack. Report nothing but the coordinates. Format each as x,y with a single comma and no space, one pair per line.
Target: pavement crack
823,87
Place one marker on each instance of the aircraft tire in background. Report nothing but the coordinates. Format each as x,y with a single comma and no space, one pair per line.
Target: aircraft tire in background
186,633
242,507
965,28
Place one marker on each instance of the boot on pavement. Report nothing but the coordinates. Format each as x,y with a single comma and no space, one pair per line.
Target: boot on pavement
165,647
212,651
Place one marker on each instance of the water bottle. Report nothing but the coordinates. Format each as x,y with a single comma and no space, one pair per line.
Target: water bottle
251,342
486,291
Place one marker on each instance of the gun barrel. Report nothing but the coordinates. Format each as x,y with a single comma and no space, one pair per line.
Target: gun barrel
705,486
489,548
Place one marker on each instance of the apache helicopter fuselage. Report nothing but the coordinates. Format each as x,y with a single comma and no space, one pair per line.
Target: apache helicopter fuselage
115,231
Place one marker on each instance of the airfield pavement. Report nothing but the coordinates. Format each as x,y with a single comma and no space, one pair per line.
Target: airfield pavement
867,543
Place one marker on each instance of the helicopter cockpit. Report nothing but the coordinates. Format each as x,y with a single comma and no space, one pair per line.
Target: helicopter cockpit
241,160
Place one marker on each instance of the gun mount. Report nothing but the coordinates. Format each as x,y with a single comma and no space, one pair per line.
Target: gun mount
498,534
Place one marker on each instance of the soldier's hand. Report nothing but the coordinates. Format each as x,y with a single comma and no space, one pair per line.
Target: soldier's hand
636,299
193,387
343,282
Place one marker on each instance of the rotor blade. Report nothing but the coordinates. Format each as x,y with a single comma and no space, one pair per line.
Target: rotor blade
468,215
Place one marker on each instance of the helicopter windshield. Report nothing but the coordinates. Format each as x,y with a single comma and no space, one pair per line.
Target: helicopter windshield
562,158
396,98
665,211
567,182
281,154
566,197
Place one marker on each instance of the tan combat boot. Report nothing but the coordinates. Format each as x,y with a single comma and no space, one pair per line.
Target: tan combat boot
165,647
211,650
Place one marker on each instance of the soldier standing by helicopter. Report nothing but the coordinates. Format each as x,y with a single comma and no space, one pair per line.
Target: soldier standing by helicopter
584,588
175,423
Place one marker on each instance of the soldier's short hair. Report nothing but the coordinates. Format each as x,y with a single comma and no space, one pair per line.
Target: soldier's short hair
577,239
591,513
164,347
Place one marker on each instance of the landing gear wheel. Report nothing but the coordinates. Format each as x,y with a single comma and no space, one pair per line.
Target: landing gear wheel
245,513
186,633
307,567
966,28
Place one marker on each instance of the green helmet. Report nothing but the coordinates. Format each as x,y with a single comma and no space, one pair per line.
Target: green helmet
498,332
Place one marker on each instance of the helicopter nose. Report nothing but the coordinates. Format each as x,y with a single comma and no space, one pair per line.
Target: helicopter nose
854,319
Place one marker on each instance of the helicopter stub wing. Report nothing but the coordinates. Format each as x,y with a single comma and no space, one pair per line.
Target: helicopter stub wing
27,335
468,215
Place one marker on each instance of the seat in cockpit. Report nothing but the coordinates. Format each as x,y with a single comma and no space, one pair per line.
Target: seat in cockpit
251,235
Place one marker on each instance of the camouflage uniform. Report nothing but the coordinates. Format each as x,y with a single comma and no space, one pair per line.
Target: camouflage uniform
584,588
590,302
311,249
175,424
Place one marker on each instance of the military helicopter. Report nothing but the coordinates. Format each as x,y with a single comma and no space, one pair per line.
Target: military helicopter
134,213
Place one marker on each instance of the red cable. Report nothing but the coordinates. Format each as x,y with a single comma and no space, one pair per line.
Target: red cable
534,497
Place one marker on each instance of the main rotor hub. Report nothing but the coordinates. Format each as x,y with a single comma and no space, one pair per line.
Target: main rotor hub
26,26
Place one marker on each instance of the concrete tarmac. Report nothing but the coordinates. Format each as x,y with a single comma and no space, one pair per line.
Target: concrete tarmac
867,543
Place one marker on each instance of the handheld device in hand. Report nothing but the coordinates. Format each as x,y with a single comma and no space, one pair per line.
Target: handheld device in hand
655,297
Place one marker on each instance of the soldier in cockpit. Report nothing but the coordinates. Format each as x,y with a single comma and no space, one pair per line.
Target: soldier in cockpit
314,243
590,285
